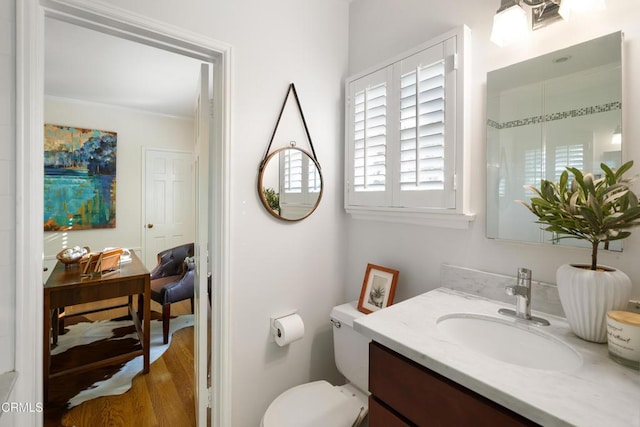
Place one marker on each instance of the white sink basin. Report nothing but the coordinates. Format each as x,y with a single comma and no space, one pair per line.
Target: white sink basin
509,342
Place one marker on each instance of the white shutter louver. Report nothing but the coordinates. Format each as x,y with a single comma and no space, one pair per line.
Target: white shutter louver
370,138
292,171
314,177
534,165
422,135
568,156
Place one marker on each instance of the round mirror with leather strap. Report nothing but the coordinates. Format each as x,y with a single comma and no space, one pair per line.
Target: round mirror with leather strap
290,184
289,179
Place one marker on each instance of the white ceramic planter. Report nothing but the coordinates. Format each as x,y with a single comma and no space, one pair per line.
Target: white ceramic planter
586,296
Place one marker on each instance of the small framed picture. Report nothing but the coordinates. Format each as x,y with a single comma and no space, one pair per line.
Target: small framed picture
378,288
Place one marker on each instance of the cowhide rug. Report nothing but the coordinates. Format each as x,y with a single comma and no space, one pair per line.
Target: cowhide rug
89,341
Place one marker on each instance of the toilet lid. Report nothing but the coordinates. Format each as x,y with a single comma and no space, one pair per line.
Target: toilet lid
316,404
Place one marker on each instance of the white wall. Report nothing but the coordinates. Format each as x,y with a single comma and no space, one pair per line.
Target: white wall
276,265
7,183
380,29
136,130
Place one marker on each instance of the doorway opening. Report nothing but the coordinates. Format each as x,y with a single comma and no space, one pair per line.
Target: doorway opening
213,238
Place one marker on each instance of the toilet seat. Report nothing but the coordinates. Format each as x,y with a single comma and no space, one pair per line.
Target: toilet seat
315,404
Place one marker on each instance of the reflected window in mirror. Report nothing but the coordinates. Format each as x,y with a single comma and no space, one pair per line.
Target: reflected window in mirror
559,110
290,184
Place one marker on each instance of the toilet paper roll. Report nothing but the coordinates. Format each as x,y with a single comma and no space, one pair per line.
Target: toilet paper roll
288,329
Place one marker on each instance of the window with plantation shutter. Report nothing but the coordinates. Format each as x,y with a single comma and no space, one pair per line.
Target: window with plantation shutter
405,136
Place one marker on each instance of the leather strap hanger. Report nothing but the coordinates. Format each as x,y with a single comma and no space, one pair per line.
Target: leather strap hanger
292,88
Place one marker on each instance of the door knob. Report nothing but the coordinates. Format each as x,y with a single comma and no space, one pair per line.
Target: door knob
149,225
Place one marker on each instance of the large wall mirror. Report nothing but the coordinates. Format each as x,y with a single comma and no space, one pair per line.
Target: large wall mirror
290,184
557,110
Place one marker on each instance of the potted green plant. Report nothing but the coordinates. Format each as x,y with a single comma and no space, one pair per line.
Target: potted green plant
597,210
272,198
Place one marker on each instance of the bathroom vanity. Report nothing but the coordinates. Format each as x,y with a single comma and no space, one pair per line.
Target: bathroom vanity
403,390
419,375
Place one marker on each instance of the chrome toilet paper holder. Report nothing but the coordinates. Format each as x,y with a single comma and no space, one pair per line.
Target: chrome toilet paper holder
275,332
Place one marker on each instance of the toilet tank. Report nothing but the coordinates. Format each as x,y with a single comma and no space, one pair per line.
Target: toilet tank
351,349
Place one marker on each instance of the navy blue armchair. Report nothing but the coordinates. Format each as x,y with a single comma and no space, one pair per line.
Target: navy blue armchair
172,280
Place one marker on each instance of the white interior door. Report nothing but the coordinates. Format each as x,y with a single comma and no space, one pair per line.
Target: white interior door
169,208
201,303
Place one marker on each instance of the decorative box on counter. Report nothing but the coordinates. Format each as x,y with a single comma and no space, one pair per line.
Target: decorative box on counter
96,264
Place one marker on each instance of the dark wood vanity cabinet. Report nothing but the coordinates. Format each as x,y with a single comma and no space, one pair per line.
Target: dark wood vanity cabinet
404,393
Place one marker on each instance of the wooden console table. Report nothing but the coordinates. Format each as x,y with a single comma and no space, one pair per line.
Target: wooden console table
66,287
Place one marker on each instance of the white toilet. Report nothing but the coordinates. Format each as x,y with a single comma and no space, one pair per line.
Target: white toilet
320,404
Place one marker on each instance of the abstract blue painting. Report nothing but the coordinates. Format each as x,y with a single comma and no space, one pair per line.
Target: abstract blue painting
79,178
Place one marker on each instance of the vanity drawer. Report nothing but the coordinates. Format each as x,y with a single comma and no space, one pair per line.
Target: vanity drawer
428,399
380,416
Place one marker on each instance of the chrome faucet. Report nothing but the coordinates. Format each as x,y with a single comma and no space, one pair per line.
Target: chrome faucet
522,291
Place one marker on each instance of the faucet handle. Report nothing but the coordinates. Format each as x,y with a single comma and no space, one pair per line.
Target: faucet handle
524,276
522,290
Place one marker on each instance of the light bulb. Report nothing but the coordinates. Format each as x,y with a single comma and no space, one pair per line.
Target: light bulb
509,26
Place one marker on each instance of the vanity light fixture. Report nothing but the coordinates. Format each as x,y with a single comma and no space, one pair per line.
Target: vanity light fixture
511,22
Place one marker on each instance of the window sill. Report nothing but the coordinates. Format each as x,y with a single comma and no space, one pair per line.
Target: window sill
408,216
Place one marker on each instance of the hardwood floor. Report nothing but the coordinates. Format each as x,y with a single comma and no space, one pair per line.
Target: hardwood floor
163,397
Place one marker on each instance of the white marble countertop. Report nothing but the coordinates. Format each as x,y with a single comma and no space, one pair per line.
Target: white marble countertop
598,393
